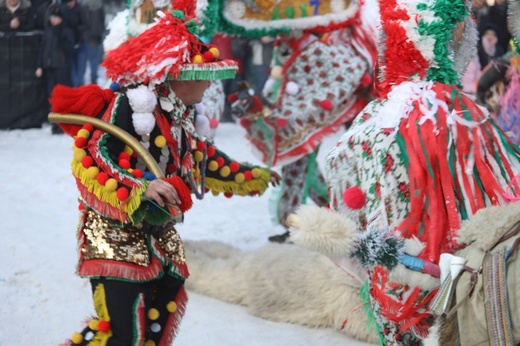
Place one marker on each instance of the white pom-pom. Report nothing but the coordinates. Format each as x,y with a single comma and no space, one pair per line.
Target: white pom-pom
292,88
268,86
143,123
141,99
200,108
202,126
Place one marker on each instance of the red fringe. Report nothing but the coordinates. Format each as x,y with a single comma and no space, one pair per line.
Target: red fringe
174,320
118,269
183,191
86,100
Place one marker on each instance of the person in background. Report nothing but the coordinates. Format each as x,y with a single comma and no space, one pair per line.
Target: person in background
261,54
96,28
15,15
76,18
498,17
56,53
489,47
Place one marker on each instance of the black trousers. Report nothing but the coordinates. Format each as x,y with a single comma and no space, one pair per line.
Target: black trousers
137,311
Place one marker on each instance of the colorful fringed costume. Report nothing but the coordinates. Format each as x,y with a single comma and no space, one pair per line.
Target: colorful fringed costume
321,74
128,244
420,159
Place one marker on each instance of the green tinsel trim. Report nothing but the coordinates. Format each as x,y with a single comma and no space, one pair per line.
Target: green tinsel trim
216,74
364,292
449,13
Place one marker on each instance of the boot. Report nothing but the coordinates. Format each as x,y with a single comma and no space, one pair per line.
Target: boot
279,238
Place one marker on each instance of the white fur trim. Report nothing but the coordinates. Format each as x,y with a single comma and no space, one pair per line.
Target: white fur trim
143,123
142,100
323,230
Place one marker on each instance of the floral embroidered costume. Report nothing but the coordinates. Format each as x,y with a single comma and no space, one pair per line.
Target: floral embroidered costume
415,163
321,73
128,245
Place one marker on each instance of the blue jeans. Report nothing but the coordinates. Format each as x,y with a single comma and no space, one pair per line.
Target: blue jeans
93,57
79,65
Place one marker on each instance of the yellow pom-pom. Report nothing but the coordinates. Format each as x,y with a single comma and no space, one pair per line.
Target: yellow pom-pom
213,166
79,154
128,150
224,171
198,156
160,141
239,178
93,324
111,185
77,338
198,59
171,307
92,172
83,133
215,52
256,172
153,314
149,343
277,72
215,193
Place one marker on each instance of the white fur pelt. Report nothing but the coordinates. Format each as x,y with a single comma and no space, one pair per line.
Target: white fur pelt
279,282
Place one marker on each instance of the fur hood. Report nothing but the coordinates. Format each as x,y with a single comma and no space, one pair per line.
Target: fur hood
24,4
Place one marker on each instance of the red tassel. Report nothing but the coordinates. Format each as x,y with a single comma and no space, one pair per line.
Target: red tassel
183,191
86,100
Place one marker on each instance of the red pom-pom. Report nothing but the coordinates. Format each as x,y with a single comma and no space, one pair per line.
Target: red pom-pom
88,127
208,56
201,145
104,326
137,173
256,106
228,194
122,193
354,198
183,192
281,122
81,207
248,175
232,97
213,123
102,178
326,104
123,156
220,161
171,168
234,167
245,123
211,151
80,142
87,161
125,164
366,80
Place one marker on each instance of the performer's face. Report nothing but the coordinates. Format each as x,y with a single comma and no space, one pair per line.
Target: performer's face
190,92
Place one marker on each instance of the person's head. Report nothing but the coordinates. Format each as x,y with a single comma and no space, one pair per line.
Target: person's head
12,3
477,4
70,3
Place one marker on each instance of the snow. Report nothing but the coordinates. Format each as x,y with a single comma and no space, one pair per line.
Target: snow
44,302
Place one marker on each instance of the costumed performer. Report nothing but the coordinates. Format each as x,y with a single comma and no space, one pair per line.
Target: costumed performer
128,245
415,163
318,83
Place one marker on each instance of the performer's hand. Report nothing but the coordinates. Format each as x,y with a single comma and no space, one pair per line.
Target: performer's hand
162,192
275,178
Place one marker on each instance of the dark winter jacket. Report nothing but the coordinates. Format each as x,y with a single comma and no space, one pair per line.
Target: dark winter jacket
23,13
96,21
57,46
76,19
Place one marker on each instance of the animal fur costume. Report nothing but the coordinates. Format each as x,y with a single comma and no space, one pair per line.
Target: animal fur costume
415,163
128,245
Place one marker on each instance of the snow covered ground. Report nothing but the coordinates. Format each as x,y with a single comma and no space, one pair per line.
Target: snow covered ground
42,300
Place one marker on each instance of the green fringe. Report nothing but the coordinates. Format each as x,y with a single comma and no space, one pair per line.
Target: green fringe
367,307
225,72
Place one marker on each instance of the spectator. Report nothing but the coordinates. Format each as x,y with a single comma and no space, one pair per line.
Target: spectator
261,54
76,18
56,52
498,17
15,15
96,28
480,12
489,47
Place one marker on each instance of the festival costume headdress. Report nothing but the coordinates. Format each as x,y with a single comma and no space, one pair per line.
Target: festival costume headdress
167,50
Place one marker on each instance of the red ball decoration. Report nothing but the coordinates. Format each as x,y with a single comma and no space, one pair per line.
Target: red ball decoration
122,193
248,175
228,194
354,198
88,127
208,56
87,161
211,151
81,207
171,168
201,145
123,156
104,326
125,164
326,104
281,122
80,142
245,123
366,80
213,123
102,178
234,167
220,161
137,173
232,97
